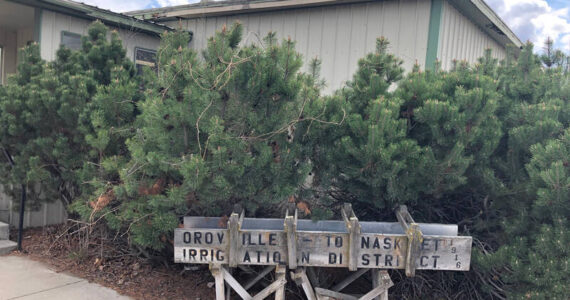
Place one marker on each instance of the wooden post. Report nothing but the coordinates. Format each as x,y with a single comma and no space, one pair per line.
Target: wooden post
291,229
280,276
219,277
377,278
233,230
354,231
415,239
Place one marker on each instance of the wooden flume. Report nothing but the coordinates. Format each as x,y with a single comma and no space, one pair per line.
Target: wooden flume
297,244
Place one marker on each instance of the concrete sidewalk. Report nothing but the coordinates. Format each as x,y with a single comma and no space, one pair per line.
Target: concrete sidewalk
23,278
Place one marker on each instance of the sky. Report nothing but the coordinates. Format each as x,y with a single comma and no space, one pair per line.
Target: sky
530,20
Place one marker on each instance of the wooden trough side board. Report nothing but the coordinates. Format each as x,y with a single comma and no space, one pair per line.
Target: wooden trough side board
256,246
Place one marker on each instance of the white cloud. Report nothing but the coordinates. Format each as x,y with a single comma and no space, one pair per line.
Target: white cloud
534,20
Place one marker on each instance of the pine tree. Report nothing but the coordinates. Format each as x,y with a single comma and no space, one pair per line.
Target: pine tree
532,164
59,121
215,129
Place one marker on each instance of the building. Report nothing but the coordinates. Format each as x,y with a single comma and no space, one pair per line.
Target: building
339,32
61,22
52,23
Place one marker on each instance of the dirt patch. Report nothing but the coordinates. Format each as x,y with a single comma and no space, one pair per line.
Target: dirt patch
114,265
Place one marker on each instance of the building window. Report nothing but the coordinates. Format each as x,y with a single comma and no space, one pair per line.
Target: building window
71,40
144,57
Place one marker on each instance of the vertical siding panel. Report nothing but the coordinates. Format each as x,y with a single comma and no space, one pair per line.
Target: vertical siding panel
422,27
328,46
253,22
301,33
210,26
265,23
289,25
470,51
391,24
342,46
201,38
357,38
46,41
467,41
315,37
374,22
277,22
407,33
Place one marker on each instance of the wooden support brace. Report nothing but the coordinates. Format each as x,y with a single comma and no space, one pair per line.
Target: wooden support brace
354,232
324,293
257,278
222,275
348,280
235,285
380,283
291,230
300,278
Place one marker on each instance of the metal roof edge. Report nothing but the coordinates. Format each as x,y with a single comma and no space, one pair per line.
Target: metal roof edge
495,19
212,8
83,10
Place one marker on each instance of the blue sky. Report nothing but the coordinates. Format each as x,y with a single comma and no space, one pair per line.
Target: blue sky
530,20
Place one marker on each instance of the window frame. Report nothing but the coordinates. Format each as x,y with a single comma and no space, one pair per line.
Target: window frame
71,34
145,62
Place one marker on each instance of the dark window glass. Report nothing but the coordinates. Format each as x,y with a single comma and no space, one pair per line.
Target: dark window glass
71,40
145,57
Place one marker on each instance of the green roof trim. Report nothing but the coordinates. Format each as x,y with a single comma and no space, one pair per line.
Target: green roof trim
433,33
90,12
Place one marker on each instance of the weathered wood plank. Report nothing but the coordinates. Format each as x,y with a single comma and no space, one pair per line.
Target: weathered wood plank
291,229
280,275
233,227
273,287
328,249
258,277
301,277
219,278
332,294
354,231
377,278
235,285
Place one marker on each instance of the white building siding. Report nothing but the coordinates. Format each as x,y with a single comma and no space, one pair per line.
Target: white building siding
461,39
9,54
48,214
338,35
54,23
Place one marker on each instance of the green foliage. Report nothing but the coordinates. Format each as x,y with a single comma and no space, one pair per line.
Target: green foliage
61,120
485,145
214,130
